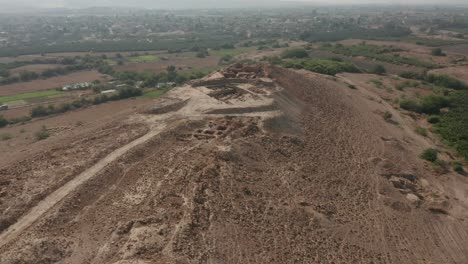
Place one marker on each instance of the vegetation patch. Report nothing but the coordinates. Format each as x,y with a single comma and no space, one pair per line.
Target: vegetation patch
429,154
401,86
143,58
323,66
5,136
421,131
42,134
380,53
25,96
441,80
294,54
453,125
428,105
3,121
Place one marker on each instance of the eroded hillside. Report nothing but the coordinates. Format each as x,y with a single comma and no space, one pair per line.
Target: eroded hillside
252,164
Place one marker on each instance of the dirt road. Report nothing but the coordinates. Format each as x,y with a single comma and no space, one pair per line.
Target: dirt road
51,200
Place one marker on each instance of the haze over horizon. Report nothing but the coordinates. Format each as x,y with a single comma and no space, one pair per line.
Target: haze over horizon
176,4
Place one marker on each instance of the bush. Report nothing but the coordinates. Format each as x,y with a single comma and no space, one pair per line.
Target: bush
39,111
421,131
432,104
437,52
405,84
5,136
429,154
458,167
19,120
446,81
379,69
440,166
295,53
410,105
411,75
3,121
433,119
42,134
387,115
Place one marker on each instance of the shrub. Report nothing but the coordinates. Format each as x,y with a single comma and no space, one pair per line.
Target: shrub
387,116
19,120
379,69
440,166
405,84
42,133
294,53
458,167
429,154
411,75
3,121
433,119
5,136
377,83
437,52
446,81
410,105
39,111
432,104
421,131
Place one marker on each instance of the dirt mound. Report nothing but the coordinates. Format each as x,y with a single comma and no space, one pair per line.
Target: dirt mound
318,179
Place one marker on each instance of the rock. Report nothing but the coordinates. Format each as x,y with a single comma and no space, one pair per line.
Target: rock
397,183
424,183
412,197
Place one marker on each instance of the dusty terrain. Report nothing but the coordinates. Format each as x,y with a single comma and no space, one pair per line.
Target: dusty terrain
253,164
459,72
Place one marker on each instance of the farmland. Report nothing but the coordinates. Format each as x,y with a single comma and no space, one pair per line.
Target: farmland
50,83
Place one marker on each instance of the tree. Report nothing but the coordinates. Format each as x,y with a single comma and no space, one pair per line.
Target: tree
437,52
3,121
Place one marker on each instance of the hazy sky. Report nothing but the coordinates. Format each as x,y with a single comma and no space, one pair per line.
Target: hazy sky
199,3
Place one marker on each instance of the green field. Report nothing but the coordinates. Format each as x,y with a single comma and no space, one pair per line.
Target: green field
156,93
144,58
232,52
25,96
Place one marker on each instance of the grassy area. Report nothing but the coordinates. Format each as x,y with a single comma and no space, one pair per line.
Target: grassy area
196,73
143,58
380,53
25,96
453,125
232,52
156,93
429,42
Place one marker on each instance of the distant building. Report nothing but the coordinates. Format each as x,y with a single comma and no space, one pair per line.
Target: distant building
76,86
108,91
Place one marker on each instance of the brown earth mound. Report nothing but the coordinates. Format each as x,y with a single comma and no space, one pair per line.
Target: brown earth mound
320,178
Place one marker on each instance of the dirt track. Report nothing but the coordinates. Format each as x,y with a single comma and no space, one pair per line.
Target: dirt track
52,199
317,176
